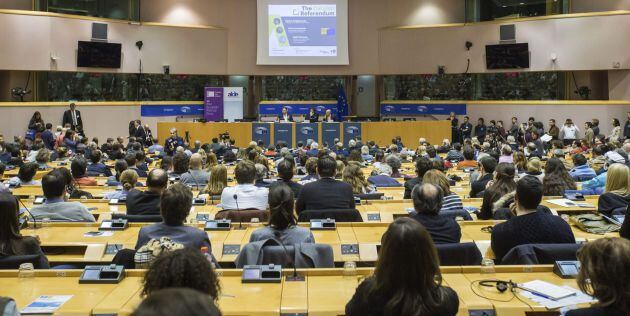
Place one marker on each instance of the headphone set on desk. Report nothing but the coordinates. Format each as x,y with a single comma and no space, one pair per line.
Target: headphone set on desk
500,285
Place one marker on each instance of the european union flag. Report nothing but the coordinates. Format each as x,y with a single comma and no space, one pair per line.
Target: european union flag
342,103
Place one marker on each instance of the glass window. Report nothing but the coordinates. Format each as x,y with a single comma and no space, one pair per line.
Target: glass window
428,87
490,10
521,86
297,88
111,9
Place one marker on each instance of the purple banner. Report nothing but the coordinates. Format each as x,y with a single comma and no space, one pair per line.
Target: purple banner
213,104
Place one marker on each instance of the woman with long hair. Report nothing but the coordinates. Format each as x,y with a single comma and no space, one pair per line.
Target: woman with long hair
12,243
604,275
211,160
520,161
502,186
407,278
282,222
217,181
557,178
451,200
353,175
616,195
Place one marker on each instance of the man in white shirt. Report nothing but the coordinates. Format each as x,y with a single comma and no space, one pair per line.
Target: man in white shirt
569,132
73,117
244,195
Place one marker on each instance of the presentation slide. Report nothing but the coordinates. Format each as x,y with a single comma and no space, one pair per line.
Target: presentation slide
302,32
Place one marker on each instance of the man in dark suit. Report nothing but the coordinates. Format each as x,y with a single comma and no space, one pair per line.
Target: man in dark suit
140,133
285,117
148,202
465,130
427,202
325,193
73,117
48,137
312,116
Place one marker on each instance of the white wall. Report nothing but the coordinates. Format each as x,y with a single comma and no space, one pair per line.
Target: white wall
619,84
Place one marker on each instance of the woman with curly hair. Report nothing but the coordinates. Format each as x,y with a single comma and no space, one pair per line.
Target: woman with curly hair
353,175
557,178
183,268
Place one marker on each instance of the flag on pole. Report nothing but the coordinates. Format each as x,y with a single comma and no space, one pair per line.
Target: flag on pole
342,103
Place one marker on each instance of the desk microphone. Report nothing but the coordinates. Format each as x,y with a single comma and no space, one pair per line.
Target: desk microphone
29,213
290,261
240,218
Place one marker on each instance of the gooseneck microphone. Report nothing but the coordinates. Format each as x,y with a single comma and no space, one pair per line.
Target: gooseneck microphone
29,212
240,218
290,261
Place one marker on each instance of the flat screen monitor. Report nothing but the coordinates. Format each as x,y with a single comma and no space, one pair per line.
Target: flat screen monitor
507,56
99,55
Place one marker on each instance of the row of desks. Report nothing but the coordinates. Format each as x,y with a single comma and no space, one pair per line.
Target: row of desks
324,291
358,242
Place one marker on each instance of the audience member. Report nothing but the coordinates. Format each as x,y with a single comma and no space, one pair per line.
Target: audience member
12,243
581,170
383,177
451,201
177,301
499,191
56,208
217,181
282,222
325,193
529,226
557,179
195,177
175,205
79,172
354,176
285,176
148,202
245,195
407,279
422,166
603,274
25,175
469,159
128,181
427,202
617,191
486,168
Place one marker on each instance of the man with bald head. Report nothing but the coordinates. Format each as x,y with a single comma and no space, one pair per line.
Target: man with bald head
427,202
148,202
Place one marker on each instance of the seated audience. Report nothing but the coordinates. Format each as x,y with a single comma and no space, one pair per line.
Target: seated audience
383,178
177,301
394,162
597,161
427,202
12,243
195,177
148,202
499,192
353,175
25,175
119,167
407,279
455,153
262,173
556,178
422,166
529,226
79,172
42,159
325,193
604,275
175,205
365,154
506,154
451,201
217,181
97,168
182,268
520,161
56,208
311,171
534,169
282,222
486,168
180,164
132,162
469,159
617,191
581,170
285,176
244,195
128,180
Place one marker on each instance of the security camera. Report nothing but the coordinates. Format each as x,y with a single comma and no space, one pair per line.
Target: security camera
469,44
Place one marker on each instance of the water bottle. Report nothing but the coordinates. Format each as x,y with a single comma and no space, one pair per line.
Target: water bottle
26,275
487,266
206,253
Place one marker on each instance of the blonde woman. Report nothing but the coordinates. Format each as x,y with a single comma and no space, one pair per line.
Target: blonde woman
128,181
451,200
353,175
217,181
211,160
534,168
616,195
520,162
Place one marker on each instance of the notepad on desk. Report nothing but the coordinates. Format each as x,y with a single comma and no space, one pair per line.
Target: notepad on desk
45,304
547,290
569,203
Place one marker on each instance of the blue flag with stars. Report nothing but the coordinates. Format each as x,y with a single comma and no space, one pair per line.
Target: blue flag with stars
342,103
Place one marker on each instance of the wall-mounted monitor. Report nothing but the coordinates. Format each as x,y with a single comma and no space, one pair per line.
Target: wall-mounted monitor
507,56
99,55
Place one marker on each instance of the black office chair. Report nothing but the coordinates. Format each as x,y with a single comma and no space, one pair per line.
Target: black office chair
531,254
461,254
370,196
243,216
340,215
14,262
139,218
